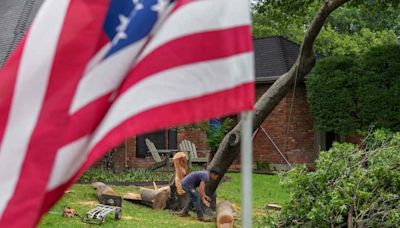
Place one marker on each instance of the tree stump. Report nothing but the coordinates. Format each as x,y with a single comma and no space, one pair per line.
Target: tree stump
225,215
181,170
177,199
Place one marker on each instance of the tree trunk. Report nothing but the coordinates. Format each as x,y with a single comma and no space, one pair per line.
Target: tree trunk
229,147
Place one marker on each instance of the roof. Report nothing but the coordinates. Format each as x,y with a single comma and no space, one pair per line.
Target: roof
15,18
274,56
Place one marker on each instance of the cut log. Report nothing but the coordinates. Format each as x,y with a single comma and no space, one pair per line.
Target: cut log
103,189
225,215
106,195
156,199
131,196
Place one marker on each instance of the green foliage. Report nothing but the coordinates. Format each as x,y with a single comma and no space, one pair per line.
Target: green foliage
332,43
347,94
361,183
132,175
351,29
215,135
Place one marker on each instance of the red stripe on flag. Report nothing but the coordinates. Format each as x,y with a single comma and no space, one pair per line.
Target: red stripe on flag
91,116
160,60
78,34
218,104
181,3
8,77
191,49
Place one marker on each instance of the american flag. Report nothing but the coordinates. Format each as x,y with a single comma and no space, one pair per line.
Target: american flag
91,73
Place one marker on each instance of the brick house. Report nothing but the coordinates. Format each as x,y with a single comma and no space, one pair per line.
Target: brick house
295,138
273,57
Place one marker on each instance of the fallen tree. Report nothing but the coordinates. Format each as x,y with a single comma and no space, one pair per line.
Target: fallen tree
351,187
230,145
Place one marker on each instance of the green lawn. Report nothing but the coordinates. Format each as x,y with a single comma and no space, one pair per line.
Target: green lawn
82,198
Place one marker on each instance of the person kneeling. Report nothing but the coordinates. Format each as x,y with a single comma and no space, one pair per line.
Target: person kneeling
189,185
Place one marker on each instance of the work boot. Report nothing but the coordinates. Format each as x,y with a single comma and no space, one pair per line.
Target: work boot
183,213
205,219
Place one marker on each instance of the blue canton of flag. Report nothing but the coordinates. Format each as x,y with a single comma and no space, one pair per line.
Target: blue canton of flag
129,21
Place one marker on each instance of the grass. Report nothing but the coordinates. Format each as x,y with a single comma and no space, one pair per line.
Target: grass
82,198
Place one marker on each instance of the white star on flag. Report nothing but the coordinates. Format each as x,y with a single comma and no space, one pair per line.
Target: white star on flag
138,5
124,21
160,6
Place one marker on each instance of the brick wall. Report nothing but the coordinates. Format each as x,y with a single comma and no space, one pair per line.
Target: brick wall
299,147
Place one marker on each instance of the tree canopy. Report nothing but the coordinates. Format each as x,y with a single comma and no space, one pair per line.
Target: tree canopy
347,94
355,83
352,29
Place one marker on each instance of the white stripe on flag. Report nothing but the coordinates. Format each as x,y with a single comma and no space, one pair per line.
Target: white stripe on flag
177,84
34,71
98,57
171,86
105,77
68,161
198,17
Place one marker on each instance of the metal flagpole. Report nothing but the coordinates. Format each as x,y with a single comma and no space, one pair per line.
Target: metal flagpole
246,150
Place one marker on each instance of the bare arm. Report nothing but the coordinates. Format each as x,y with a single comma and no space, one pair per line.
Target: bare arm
204,198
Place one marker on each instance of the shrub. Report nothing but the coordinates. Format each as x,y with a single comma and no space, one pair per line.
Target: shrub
132,175
347,94
349,184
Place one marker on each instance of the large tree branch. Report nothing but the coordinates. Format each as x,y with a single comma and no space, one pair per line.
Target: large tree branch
230,145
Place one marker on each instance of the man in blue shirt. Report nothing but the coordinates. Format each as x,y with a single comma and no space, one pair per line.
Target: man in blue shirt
189,184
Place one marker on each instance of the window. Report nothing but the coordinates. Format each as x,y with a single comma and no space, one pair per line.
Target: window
165,139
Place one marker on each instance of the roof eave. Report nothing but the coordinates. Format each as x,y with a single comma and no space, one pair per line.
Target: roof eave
266,80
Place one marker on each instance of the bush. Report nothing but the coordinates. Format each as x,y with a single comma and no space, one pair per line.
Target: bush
360,185
349,94
133,175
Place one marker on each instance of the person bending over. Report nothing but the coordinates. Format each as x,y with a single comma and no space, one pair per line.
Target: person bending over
189,184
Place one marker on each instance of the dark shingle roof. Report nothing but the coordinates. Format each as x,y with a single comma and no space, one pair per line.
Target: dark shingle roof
273,57
15,18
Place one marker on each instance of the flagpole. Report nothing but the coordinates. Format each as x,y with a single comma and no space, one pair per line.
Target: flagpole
246,149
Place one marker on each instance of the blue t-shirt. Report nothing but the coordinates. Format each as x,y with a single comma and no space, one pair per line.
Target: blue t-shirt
193,179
